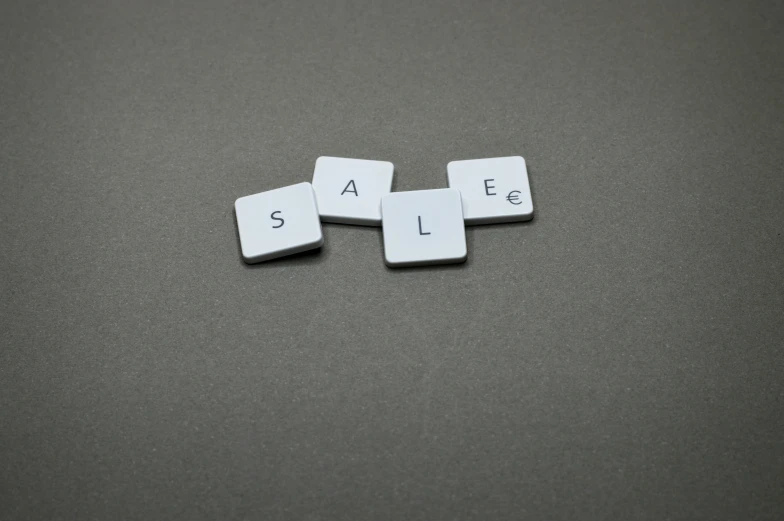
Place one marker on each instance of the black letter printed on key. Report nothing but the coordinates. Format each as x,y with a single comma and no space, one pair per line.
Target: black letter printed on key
272,215
420,226
354,191
487,188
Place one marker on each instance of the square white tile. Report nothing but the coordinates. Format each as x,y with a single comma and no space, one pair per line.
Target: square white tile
278,222
349,191
494,190
423,227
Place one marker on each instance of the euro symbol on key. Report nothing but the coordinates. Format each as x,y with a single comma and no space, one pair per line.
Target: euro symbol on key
512,197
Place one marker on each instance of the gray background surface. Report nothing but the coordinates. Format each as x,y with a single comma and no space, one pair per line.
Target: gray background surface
619,357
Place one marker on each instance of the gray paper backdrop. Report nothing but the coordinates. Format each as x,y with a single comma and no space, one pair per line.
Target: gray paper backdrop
619,357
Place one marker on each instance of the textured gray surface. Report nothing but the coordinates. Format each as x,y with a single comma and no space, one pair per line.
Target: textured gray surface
619,357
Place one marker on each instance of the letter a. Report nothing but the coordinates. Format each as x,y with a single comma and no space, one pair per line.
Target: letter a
354,191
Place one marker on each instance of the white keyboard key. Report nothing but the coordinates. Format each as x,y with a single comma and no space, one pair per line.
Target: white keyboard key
494,190
349,191
278,222
423,227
